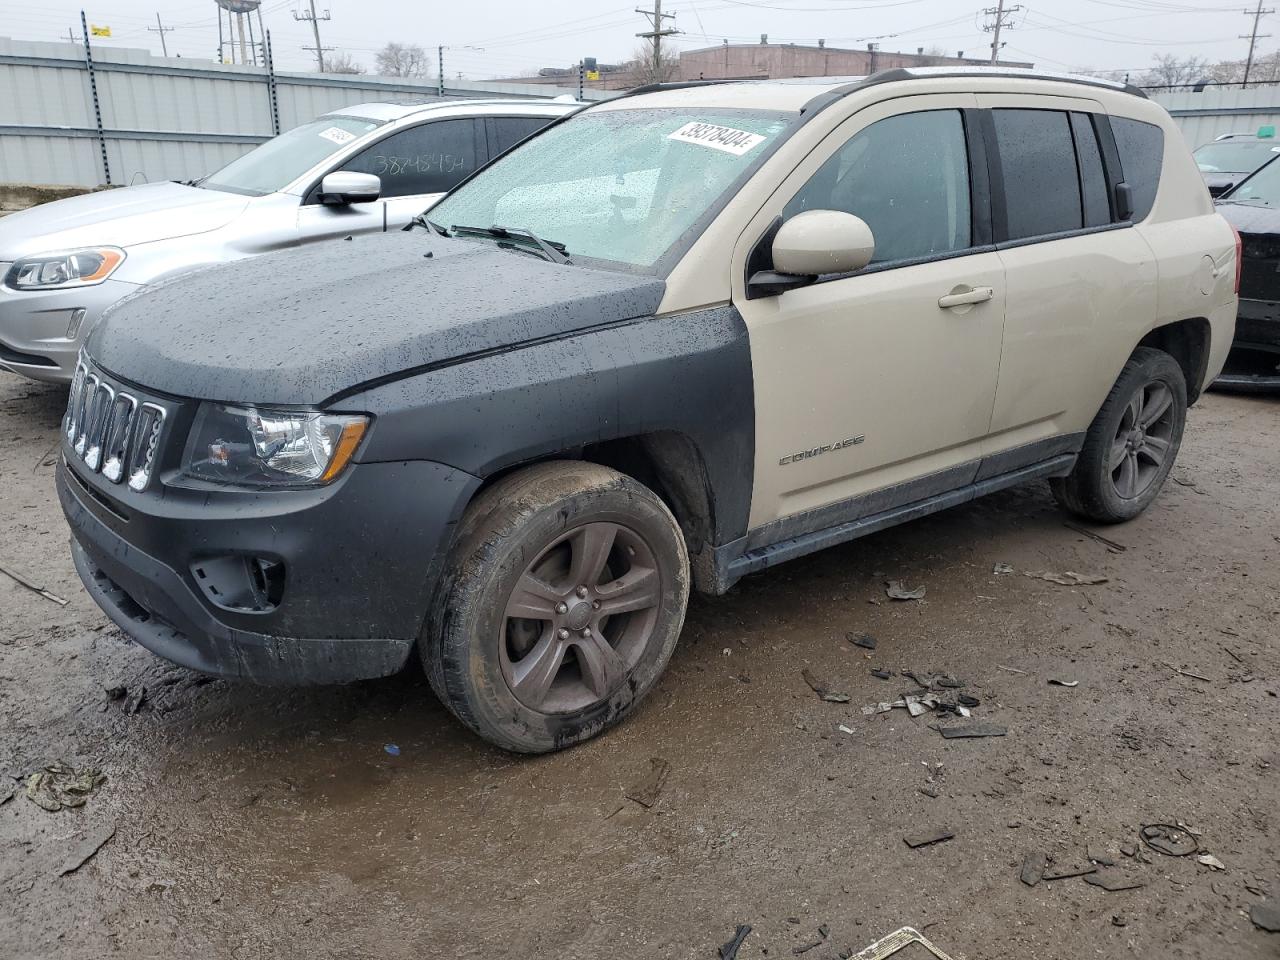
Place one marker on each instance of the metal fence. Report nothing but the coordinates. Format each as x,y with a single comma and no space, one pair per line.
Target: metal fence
1216,110
122,116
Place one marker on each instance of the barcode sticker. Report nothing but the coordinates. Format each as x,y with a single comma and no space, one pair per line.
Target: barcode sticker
337,135
716,137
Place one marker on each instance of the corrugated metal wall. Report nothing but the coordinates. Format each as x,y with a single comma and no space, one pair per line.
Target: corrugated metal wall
167,119
1215,111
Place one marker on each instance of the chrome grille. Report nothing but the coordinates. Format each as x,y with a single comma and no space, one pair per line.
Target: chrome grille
112,430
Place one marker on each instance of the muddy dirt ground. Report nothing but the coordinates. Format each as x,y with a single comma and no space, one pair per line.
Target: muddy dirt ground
252,822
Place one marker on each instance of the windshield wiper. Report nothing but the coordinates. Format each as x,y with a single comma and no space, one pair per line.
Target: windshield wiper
421,221
553,251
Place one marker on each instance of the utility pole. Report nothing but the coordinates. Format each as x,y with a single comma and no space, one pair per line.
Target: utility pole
161,29
315,26
656,16
1253,37
1002,19
440,71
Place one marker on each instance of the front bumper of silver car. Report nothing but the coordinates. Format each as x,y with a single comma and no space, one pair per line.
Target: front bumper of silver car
41,330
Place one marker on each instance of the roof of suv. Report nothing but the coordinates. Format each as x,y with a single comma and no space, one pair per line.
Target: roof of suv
387,110
794,93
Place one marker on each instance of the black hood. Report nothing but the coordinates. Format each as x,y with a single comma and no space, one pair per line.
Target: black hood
1222,180
1251,217
299,326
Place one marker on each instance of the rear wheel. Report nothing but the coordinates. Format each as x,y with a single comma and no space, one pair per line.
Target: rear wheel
1132,443
562,601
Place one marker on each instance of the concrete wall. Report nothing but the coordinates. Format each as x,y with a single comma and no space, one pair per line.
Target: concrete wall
773,60
168,119
1216,110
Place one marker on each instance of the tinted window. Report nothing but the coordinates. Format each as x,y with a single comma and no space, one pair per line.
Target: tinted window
1141,147
1093,179
505,132
429,158
1041,185
907,177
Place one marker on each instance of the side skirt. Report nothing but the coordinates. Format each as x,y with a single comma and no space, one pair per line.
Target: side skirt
734,561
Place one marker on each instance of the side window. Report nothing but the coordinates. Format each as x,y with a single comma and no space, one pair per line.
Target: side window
505,132
907,177
1093,178
1141,148
429,158
1041,183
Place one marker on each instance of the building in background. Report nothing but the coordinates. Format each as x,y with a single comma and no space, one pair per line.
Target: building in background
767,61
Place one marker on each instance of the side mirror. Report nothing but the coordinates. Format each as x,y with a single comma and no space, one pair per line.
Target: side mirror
346,186
813,244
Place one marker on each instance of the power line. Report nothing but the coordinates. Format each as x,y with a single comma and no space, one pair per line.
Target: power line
1001,19
161,29
315,27
1253,37
656,16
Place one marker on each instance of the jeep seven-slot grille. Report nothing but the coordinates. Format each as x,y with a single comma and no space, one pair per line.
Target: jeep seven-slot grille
111,430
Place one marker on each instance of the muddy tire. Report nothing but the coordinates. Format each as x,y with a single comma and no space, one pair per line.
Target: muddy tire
1132,443
560,605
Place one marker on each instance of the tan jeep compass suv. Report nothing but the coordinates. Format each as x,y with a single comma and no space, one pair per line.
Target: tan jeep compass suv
674,339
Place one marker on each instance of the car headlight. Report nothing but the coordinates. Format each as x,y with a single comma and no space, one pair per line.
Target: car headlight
269,448
70,268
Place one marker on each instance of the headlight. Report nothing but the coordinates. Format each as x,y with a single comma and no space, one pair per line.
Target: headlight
267,448
72,268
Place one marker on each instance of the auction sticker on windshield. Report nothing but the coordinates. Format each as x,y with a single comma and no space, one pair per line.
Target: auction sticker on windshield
337,135
716,137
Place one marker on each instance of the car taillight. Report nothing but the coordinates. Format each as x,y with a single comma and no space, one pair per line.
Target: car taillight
1239,258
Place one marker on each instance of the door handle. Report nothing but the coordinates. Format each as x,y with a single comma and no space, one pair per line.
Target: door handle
963,297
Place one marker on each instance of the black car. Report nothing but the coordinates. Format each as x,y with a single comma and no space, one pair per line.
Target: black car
1228,160
1253,208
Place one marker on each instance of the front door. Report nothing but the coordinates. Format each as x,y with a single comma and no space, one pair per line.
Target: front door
875,389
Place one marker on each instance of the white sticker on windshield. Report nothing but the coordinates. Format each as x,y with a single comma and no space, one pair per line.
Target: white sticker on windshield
337,135
710,135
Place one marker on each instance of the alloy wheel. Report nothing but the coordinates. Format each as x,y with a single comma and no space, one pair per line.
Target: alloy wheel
1142,440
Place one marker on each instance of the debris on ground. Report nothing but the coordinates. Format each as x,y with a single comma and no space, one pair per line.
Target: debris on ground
864,640
973,730
83,852
392,749
1063,683
1193,676
34,588
896,941
967,701
821,689
1113,881
6,793
1101,858
1170,839
1069,873
882,674
928,838
1033,868
898,590
1068,578
1265,916
1109,544
1010,669
843,729
823,932
649,789
1210,861
1002,569
59,785
115,693
730,950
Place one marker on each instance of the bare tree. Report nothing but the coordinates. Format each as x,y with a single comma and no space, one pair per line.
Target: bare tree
645,69
403,60
342,62
934,56
1169,71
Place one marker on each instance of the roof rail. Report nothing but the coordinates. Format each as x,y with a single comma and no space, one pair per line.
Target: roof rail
668,85
924,73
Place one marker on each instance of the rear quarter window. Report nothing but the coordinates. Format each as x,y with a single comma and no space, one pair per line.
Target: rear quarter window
1141,148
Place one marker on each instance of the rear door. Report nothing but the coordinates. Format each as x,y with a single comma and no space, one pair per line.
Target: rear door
1077,279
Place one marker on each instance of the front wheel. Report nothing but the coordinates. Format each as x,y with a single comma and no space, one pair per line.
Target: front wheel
562,601
1131,444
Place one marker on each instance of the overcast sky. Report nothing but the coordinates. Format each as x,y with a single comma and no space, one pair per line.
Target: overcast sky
514,36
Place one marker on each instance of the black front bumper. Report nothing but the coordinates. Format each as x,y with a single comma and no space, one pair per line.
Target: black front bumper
1254,361
360,563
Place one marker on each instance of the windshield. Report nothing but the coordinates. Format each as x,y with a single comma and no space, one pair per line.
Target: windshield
283,159
617,185
1263,187
1239,157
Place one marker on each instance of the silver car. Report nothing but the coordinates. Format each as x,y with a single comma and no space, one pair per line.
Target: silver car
361,169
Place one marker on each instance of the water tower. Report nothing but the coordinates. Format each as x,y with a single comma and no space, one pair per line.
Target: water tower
231,37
